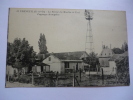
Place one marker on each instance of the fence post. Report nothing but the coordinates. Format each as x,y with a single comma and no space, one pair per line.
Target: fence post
97,68
57,78
116,75
89,70
80,74
32,78
73,76
102,76
8,77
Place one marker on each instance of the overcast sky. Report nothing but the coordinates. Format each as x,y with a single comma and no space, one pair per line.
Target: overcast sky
66,32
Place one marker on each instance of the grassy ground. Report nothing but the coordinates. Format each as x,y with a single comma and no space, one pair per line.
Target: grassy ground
17,84
67,81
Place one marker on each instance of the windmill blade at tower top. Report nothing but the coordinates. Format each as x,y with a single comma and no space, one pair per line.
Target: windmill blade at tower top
89,14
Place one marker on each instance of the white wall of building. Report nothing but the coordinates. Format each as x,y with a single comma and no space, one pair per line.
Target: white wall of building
10,70
54,62
111,70
57,65
62,67
38,68
71,64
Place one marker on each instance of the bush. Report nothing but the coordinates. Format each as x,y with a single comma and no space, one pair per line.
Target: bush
123,71
24,79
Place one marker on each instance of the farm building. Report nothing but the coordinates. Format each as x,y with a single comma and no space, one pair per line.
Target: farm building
107,60
65,62
37,68
41,67
10,70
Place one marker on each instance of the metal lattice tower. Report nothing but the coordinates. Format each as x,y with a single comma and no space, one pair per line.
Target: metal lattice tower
89,45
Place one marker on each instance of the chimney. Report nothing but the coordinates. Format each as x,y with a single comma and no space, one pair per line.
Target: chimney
110,46
102,45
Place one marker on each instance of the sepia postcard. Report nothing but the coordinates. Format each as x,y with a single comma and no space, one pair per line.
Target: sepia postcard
66,48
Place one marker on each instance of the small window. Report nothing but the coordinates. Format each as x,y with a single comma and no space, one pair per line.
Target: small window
66,64
49,58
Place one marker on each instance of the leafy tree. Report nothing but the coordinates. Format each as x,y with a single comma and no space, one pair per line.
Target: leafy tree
117,51
42,44
124,46
92,59
9,57
20,54
122,50
123,70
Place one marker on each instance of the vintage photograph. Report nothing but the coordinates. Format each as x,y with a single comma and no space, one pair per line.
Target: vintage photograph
66,48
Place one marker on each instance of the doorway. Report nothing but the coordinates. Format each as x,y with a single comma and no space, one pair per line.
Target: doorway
41,68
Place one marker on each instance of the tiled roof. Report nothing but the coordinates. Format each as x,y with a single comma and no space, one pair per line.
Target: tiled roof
70,55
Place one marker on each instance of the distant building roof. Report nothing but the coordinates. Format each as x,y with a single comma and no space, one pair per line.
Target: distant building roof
78,55
106,53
